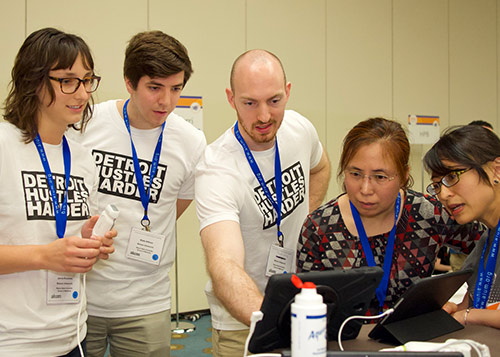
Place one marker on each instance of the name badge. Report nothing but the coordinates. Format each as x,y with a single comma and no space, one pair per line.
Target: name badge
145,246
63,288
279,260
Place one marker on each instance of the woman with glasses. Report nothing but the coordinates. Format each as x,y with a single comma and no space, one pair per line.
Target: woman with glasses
465,169
47,192
378,220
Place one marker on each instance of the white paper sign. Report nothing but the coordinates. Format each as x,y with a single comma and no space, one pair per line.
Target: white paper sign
423,129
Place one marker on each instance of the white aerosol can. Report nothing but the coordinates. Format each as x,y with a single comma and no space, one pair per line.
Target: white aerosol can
309,334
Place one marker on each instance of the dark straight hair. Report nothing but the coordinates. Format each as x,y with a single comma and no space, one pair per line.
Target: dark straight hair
470,146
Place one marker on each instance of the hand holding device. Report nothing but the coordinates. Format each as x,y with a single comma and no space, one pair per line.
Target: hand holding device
104,224
106,220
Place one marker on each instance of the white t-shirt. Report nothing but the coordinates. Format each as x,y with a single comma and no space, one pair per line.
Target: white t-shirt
226,189
120,286
28,325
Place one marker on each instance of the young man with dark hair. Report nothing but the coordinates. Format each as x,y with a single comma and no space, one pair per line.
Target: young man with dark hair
145,156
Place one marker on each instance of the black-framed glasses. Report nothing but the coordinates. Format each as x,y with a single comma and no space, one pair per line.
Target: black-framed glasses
71,85
450,179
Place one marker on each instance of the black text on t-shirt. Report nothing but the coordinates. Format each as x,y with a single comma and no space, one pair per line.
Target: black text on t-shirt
294,191
117,176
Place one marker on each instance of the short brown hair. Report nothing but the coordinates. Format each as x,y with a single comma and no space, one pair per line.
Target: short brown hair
157,55
390,134
44,50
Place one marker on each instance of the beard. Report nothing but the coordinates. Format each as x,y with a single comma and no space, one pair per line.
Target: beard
256,137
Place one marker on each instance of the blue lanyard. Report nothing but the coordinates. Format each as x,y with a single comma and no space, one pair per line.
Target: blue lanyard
258,175
381,291
60,213
486,274
137,168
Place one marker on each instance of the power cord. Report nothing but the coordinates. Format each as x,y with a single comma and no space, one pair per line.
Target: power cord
256,317
359,317
104,223
79,314
463,346
481,349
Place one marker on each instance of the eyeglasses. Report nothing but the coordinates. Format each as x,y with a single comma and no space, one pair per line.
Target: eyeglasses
71,85
448,180
377,178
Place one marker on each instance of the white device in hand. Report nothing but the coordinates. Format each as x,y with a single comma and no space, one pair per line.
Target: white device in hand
106,220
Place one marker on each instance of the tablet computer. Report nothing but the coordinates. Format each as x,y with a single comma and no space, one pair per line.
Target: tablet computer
418,315
345,292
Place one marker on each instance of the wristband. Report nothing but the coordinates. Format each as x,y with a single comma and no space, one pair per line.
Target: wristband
465,316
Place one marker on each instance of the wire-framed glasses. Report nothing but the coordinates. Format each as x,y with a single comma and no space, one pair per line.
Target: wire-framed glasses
377,178
71,85
450,179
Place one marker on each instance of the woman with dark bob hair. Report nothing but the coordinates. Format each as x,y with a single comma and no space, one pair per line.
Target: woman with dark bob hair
379,220
47,192
465,173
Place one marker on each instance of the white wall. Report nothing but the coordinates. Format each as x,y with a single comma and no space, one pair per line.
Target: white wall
347,60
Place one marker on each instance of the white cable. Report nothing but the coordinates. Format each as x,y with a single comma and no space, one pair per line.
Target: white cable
339,338
256,317
78,318
459,346
104,223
